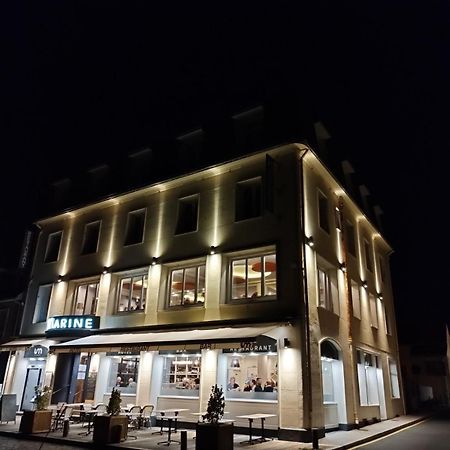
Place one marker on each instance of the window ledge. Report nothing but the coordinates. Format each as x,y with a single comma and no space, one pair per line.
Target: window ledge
249,301
184,397
250,400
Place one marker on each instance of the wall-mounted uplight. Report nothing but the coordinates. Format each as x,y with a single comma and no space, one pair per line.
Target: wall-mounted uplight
343,267
105,270
309,241
286,343
59,279
212,250
364,284
380,296
154,260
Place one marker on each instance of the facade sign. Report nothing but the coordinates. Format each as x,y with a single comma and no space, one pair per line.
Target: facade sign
72,323
262,344
36,351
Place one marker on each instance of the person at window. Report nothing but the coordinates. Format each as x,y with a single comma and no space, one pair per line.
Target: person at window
131,383
119,381
258,385
268,386
197,383
247,387
232,385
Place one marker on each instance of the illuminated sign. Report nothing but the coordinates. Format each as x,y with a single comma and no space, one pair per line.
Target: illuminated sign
262,344
72,323
36,351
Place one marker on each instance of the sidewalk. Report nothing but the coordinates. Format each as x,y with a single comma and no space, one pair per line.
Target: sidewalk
336,440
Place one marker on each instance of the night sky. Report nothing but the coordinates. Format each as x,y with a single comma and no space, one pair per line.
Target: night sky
82,81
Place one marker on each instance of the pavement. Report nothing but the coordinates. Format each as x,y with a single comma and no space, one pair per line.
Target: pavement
148,439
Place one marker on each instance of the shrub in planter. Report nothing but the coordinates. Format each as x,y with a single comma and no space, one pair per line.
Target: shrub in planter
211,433
38,420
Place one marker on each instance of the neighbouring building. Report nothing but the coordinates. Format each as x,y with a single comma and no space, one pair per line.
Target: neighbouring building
259,271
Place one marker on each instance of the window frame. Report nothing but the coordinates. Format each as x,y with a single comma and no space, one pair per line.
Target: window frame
86,225
395,378
351,250
127,229
354,286
373,303
140,274
374,363
332,301
75,292
238,204
320,197
368,260
49,285
179,202
197,266
49,237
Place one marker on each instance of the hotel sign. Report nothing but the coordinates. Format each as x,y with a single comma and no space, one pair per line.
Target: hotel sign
72,324
36,351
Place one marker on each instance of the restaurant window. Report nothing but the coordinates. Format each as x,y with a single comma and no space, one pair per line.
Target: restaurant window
187,286
356,299
350,236
53,246
393,374
367,378
368,256
373,311
85,299
90,238
332,372
254,277
181,374
187,219
132,293
135,227
324,222
249,375
123,372
248,199
42,302
328,294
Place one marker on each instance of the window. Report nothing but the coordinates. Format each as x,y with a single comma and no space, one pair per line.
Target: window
132,293
53,245
90,239
248,375
123,373
373,311
248,199
328,296
387,325
187,214
356,299
254,277
323,213
187,286
181,374
135,227
368,256
393,373
367,378
381,266
350,236
42,302
85,299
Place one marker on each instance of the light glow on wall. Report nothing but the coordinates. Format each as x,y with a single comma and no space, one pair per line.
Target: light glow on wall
65,245
159,227
109,254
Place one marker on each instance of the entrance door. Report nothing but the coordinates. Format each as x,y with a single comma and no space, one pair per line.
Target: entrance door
31,381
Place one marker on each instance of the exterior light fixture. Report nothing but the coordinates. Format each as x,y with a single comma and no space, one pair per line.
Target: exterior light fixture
309,241
59,279
364,284
212,250
380,296
343,267
286,343
105,270
154,260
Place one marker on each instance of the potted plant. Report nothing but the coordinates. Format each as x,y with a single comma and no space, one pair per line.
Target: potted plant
111,427
212,432
38,420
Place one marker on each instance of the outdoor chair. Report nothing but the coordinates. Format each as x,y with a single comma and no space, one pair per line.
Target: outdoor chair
146,415
134,419
58,420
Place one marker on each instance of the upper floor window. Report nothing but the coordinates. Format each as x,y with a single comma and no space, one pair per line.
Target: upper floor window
187,286
393,373
135,227
90,238
42,302
254,277
350,236
356,299
387,324
187,214
373,311
368,256
324,222
85,299
381,266
248,199
132,293
53,246
328,296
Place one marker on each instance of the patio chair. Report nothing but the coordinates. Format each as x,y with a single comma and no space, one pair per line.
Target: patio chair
146,415
100,408
134,419
58,420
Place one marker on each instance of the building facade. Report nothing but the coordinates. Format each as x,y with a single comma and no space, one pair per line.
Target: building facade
260,274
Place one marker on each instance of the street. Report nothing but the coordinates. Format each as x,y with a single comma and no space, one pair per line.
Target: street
430,434
14,444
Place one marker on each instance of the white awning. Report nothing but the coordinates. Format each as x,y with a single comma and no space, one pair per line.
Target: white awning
23,344
215,338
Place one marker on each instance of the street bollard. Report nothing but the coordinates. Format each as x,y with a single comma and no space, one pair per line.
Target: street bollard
183,440
315,438
65,427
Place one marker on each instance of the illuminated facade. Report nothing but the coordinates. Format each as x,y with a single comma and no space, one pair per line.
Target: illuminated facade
260,274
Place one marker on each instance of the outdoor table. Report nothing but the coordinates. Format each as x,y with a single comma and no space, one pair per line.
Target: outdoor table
251,418
89,415
169,419
165,412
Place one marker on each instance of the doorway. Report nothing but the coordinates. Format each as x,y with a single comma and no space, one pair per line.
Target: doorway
31,381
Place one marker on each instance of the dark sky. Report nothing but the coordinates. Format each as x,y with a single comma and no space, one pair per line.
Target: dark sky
81,81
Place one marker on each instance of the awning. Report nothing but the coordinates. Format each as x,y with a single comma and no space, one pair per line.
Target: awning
216,338
23,344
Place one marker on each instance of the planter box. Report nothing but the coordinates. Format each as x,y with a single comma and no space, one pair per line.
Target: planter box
214,436
110,429
36,421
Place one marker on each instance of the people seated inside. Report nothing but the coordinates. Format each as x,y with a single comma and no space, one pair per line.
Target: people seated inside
232,385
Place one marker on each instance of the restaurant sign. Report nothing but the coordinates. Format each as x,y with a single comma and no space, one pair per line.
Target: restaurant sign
65,324
36,351
262,344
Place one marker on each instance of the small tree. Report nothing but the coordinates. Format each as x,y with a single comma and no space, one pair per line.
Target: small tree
113,407
42,397
216,405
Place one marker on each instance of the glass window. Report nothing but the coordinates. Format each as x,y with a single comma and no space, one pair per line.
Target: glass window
53,246
373,311
331,371
381,266
187,286
85,299
249,376
187,215
181,374
328,297
323,213
254,277
367,378
393,372
132,293
248,199
350,236
368,254
123,373
135,227
356,299
90,239
42,302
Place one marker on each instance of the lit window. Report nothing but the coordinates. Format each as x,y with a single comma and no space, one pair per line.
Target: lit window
324,222
53,246
328,296
187,286
248,199
331,371
132,293
393,373
181,374
42,302
90,239
135,227
367,378
85,299
187,215
373,311
356,300
254,277
123,373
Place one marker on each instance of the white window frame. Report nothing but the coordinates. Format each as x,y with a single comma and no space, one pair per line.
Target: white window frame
138,274
75,292
367,378
356,299
373,309
169,285
394,378
331,301
50,286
